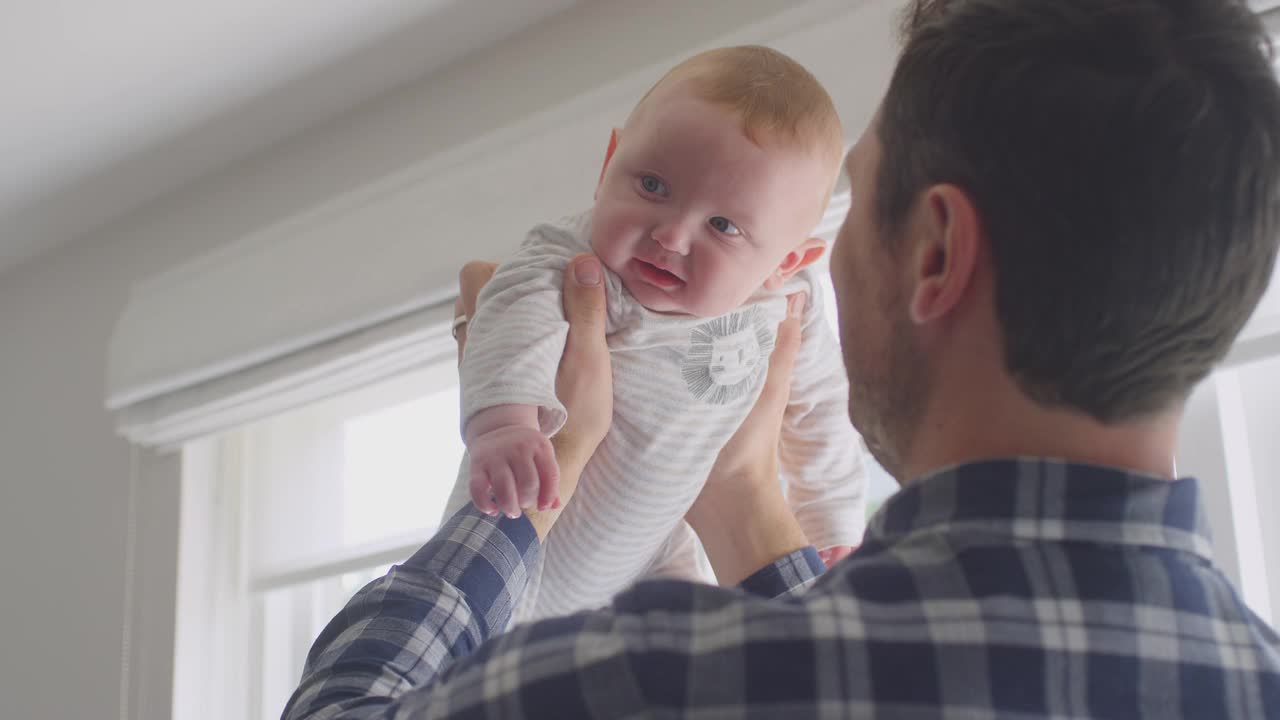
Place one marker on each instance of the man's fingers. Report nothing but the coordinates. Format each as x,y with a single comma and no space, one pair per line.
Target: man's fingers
584,380
460,331
777,386
473,276
471,279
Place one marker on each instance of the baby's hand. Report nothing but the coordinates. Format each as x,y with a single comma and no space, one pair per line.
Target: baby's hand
833,555
513,467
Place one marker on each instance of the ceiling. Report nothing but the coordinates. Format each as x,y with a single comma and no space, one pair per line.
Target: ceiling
110,105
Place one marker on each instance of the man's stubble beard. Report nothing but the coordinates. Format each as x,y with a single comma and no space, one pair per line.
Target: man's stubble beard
888,393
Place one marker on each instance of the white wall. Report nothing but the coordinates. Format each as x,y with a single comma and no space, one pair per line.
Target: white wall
63,494
67,477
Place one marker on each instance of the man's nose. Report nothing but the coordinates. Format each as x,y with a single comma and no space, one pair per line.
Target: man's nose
675,236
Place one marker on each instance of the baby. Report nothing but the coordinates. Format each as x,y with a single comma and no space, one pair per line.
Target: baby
702,218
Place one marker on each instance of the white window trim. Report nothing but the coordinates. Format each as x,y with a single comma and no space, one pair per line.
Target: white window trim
215,535
1242,491
212,537
149,622
349,559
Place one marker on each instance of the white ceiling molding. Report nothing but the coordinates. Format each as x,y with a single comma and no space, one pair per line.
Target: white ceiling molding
356,289
110,106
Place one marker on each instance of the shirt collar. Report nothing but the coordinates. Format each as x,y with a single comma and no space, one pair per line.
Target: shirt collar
1034,499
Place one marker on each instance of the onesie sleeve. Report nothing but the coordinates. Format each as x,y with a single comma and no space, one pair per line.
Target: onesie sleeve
822,459
516,339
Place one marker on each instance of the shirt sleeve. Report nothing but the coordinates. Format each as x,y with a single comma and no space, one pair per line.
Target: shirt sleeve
517,336
821,457
415,643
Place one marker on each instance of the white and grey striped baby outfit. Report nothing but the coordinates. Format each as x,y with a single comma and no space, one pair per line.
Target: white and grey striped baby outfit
682,386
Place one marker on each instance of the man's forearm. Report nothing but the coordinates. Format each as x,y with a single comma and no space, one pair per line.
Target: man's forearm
572,458
746,531
407,627
389,646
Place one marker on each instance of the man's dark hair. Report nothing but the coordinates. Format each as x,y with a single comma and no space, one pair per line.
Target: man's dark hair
1124,158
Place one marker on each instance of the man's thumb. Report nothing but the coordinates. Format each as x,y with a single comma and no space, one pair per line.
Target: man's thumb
584,301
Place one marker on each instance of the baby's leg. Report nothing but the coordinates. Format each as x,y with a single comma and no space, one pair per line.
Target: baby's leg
681,557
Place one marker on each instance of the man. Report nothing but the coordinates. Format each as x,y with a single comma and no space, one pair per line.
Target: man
1062,215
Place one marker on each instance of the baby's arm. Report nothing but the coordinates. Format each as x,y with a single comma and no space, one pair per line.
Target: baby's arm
821,456
509,407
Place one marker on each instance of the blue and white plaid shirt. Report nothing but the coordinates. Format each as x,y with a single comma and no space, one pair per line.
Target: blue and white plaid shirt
1012,589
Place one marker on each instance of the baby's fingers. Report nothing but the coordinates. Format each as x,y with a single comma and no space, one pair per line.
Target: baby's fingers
548,478
480,491
504,490
526,476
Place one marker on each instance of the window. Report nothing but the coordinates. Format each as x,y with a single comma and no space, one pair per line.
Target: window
1227,440
299,512
337,493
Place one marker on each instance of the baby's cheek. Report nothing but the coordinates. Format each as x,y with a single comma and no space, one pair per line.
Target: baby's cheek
608,240
718,291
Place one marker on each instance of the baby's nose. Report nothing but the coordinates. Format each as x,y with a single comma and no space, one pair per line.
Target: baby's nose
673,237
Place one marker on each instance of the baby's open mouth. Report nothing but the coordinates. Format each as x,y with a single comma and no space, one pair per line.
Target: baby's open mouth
655,275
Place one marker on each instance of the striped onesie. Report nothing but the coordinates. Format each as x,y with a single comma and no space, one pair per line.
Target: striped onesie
682,385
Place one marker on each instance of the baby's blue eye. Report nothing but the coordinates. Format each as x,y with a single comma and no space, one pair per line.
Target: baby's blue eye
722,225
653,185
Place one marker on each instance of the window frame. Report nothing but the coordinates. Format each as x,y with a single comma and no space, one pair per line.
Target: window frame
219,619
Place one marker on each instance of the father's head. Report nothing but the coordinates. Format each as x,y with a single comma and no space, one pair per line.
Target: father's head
1074,202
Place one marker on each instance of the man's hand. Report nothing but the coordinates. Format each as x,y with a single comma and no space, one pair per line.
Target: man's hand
741,516
584,382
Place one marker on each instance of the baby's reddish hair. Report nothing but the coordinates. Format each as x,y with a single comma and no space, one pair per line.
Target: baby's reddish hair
775,96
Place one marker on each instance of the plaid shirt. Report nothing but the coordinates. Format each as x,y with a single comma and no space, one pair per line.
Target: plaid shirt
1017,589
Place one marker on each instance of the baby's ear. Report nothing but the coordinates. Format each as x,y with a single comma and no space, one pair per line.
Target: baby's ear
806,254
608,155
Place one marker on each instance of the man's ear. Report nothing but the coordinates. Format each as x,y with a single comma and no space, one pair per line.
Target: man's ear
946,255
608,155
806,254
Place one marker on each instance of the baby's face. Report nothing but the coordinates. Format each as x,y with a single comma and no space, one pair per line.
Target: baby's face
692,215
